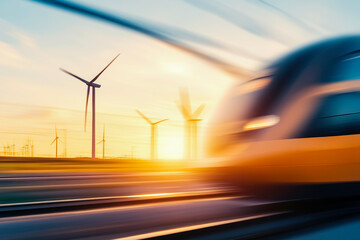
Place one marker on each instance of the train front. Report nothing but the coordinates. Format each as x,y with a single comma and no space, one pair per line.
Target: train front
240,124
293,130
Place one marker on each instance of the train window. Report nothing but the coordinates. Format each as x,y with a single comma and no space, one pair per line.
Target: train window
347,69
337,115
240,100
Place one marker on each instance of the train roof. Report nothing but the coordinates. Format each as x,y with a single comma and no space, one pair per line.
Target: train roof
335,47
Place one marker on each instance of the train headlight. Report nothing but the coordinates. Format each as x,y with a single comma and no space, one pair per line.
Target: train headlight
261,122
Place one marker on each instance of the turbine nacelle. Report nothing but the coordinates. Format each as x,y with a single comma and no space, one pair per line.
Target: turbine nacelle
90,84
194,120
95,85
185,107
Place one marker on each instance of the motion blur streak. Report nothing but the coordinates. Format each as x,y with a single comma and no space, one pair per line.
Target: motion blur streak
252,86
59,186
303,24
115,222
194,227
123,197
228,13
174,42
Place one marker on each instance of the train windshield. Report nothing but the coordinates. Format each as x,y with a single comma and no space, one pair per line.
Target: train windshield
240,101
347,69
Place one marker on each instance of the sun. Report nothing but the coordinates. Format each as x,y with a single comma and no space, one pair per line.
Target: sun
171,147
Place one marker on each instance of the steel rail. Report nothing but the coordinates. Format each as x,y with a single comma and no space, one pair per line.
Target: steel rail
300,217
66,205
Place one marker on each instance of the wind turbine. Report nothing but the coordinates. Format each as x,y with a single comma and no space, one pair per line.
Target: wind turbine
9,149
6,150
29,147
153,145
13,149
32,148
191,124
26,148
56,140
93,85
103,143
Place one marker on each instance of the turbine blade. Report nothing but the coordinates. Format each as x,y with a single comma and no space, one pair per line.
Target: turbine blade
84,81
53,141
100,142
144,117
198,111
103,69
183,111
161,121
185,100
86,106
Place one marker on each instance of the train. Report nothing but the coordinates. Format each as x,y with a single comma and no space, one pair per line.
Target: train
293,129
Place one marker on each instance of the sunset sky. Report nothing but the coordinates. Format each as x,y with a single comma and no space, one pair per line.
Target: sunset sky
35,40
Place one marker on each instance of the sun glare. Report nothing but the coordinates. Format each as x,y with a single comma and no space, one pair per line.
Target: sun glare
175,68
171,147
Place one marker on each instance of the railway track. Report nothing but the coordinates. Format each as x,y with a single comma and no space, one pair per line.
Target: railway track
66,205
19,189
215,213
186,215
273,225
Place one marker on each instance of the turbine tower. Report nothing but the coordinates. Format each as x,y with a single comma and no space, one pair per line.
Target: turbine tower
191,125
64,142
153,144
103,143
32,148
13,149
56,140
93,85
26,148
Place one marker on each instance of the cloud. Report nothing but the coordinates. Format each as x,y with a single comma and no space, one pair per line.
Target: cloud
34,114
16,35
24,39
10,56
14,43
22,111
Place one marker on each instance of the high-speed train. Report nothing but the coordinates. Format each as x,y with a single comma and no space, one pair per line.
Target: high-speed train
294,129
